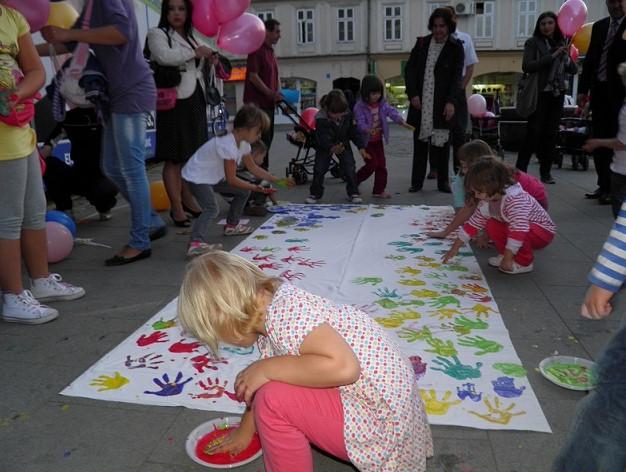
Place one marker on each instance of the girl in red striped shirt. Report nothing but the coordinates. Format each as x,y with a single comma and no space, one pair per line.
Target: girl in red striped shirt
513,220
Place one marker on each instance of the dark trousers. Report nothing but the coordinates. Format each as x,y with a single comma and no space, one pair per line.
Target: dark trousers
377,165
322,163
541,133
439,161
458,130
268,136
604,125
618,191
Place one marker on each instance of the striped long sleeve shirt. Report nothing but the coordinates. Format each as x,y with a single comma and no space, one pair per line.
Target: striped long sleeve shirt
516,208
609,271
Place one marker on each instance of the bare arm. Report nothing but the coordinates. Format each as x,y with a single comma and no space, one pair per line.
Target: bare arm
257,171
43,49
611,143
459,218
255,80
230,171
32,68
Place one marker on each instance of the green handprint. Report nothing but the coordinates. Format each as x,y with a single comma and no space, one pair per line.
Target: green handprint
441,348
411,303
411,282
456,369
270,249
484,346
455,268
412,335
436,275
164,324
514,370
408,270
463,325
412,250
261,237
445,313
387,303
445,286
424,293
367,280
441,302
394,257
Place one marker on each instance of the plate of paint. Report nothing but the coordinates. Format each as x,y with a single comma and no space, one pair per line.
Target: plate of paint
213,432
574,373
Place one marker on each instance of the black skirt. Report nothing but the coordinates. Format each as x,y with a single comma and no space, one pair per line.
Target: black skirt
183,129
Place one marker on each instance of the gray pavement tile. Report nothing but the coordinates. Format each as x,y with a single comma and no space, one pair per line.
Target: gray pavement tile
531,318
524,451
457,432
562,272
467,455
589,243
80,439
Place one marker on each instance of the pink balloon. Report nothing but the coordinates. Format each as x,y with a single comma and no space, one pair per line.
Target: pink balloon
574,52
226,10
489,114
242,35
203,17
60,241
36,12
476,105
572,15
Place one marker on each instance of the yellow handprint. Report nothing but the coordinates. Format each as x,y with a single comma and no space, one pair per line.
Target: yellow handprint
411,282
397,318
434,406
446,313
408,270
109,383
481,310
496,413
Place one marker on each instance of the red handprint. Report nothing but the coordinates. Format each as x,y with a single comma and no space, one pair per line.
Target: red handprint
204,361
213,389
249,249
289,275
180,346
265,258
288,260
311,263
479,298
297,249
271,265
156,337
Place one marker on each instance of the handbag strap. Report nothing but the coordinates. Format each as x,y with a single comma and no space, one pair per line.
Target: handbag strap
81,52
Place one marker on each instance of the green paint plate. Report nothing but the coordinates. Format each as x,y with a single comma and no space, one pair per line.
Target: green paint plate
569,372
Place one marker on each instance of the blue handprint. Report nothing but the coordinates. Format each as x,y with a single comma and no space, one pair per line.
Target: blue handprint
240,351
399,243
469,391
412,250
386,293
169,388
505,387
456,369
433,243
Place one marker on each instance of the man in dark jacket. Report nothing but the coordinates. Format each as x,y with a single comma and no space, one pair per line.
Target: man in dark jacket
607,50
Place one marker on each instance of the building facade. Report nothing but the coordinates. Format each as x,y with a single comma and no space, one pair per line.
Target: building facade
333,43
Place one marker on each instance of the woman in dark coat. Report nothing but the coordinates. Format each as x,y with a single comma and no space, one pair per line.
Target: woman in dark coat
545,54
433,78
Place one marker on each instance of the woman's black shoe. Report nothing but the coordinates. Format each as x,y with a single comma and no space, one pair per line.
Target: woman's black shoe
194,214
181,223
548,180
118,260
414,189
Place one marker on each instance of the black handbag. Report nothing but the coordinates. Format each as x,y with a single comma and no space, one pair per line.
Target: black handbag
164,76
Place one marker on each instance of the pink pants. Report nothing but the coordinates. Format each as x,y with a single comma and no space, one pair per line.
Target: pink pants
376,165
289,418
537,238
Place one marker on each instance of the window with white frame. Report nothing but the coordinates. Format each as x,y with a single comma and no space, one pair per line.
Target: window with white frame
484,19
393,22
306,23
526,17
265,15
345,25
433,6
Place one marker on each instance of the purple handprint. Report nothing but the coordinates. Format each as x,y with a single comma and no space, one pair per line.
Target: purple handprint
168,388
419,367
469,391
505,387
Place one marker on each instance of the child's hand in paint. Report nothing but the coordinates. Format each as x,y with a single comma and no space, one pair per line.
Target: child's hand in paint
233,443
453,251
249,380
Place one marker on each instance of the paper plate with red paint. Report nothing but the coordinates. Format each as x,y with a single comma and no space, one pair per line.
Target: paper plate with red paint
212,431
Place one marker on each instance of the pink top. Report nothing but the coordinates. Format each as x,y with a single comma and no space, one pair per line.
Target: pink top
517,208
385,426
533,186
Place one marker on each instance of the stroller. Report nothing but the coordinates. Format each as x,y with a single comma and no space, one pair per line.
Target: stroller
573,132
303,137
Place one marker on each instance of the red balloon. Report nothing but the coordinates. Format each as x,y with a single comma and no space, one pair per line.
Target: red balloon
307,119
203,17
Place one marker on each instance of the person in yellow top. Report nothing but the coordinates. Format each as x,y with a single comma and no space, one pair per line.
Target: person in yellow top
22,199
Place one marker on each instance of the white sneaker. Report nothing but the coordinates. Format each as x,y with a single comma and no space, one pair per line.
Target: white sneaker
495,260
197,248
52,289
23,308
356,198
310,199
518,269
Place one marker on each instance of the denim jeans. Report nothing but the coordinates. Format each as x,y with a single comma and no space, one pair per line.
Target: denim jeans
597,439
123,161
206,198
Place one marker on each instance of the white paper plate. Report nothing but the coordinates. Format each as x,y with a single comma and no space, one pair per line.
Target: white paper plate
549,362
205,428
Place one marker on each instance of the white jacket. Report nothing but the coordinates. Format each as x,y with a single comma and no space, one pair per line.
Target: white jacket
180,54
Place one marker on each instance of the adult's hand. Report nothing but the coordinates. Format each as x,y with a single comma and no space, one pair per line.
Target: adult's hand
448,111
560,51
203,51
416,103
54,34
278,97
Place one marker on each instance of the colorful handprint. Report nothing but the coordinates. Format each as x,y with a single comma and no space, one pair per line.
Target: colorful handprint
456,369
484,346
213,389
106,382
505,387
168,388
468,391
435,406
497,413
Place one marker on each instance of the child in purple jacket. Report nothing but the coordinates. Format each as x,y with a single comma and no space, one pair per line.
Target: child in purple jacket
371,113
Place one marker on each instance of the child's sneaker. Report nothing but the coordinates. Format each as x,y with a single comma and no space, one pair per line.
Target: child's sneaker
381,195
518,269
495,260
237,230
311,199
23,308
356,198
52,289
197,248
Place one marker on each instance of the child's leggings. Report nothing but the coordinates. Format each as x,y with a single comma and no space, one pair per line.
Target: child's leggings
376,165
537,238
289,417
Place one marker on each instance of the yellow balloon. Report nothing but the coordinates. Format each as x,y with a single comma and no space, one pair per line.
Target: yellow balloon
62,14
582,38
158,196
